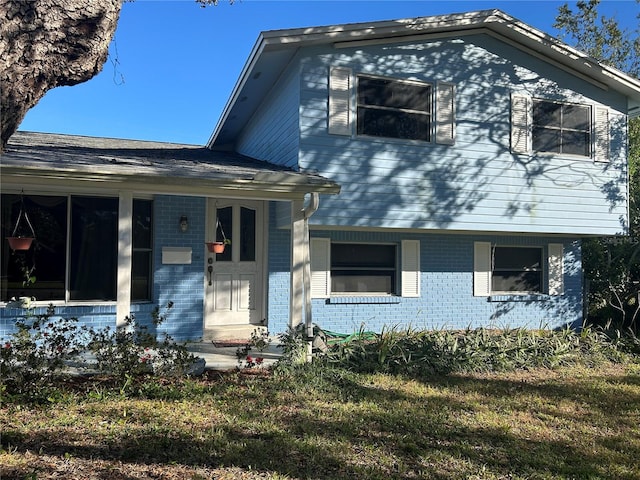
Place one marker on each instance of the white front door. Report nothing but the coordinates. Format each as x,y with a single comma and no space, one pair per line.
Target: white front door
234,279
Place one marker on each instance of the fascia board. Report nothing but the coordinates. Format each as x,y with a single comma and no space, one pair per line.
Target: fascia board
263,185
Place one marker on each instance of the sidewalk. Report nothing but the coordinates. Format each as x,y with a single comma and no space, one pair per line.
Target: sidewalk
217,357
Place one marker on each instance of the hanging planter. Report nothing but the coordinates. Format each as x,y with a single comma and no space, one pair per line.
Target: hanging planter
218,247
215,247
21,242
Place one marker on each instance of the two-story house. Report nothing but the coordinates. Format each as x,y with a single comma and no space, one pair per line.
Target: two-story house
435,172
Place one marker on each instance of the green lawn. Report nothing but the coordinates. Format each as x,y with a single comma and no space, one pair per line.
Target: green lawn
569,423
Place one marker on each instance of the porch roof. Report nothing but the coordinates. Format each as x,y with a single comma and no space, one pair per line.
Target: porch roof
152,167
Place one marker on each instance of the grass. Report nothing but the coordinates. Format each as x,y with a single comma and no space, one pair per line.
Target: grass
574,422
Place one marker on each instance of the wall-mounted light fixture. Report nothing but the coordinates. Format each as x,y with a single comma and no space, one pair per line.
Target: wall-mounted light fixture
184,223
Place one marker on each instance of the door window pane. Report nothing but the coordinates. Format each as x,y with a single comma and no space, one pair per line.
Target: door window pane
225,218
247,235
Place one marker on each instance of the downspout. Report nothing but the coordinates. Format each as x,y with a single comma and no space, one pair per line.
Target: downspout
309,210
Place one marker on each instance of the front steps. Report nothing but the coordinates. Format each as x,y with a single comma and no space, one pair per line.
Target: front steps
230,332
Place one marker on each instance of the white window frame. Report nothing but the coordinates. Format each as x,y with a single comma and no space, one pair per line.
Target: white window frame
343,106
522,128
410,111
552,269
562,128
124,236
407,269
539,270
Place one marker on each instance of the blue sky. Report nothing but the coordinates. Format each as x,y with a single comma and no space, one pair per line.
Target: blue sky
173,64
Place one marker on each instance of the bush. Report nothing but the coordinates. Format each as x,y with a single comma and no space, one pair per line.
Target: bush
35,358
38,353
132,351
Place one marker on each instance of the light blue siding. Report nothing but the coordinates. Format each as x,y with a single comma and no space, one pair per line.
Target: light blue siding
273,134
447,299
476,184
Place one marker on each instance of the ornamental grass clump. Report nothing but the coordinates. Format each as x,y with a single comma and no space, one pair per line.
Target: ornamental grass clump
413,352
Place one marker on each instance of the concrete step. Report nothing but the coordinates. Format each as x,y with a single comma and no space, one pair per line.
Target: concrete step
230,332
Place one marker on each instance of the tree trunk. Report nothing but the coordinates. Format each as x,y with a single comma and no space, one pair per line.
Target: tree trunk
46,44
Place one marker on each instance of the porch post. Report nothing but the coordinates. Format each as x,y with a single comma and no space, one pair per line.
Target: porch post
298,240
125,248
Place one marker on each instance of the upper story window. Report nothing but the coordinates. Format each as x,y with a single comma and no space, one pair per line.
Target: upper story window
390,108
394,108
561,128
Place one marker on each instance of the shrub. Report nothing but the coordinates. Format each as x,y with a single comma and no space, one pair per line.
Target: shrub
294,348
132,350
38,353
35,358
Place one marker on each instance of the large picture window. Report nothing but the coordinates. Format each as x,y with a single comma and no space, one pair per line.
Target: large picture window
394,108
93,252
75,254
561,128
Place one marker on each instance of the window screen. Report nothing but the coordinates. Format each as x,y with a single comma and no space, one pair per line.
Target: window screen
363,268
517,269
394,108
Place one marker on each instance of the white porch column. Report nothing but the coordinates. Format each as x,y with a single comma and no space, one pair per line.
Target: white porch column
298,240
125,249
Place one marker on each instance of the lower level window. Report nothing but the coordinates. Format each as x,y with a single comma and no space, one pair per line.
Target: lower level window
517,270
363,268
75,254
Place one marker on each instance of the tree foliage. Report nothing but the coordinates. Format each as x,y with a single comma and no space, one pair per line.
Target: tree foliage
612,265
50,43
